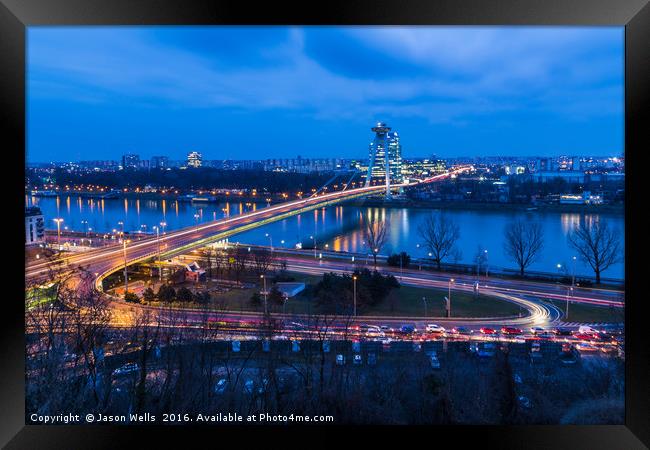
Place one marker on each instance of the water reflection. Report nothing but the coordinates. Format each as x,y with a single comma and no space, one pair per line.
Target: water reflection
339,226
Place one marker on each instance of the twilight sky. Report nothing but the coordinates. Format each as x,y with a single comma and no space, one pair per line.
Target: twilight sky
262,92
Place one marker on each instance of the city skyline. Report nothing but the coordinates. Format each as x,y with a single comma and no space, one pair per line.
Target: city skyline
313,91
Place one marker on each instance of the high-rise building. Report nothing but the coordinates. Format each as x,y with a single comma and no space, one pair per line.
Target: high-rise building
385,154
194,159
34,226
159,162
130,161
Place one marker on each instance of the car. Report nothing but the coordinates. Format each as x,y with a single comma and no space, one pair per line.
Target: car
295,326
248,386
356,359
340,360
510,331
385,328
220,387
434,328
569,357
488,331
262,387
535,350
461,330
586,347
538,330
127,368
408,329
435,362
586,329
585,337
562,331
487,350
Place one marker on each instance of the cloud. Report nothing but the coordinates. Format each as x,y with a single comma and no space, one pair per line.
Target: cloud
440,74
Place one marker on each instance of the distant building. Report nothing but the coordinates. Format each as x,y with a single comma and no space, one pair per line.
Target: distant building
194,159
159,162
34,226
422,168
130,161
586,198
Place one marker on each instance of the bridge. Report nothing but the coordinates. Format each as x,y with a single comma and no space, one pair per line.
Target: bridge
104,261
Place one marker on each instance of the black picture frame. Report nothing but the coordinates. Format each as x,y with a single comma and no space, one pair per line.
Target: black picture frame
16,15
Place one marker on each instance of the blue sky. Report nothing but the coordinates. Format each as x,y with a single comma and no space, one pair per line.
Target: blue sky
260,92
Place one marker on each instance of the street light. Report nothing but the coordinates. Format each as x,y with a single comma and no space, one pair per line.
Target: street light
354,290
196,219
314,239
58,231
451,280
573,272
126,278
163,225
424,299
158,243
266,311
486,264
270,240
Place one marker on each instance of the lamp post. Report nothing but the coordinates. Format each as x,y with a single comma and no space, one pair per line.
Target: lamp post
158,243
126,277
121,224
58,230
566,311
419,259
163,225
270,240
451,280
196,220
486,264
266,311
354,290
424,300
313,238
573,272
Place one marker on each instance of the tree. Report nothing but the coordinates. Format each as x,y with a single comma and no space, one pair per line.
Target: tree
597,244
148,295
202,297
480,259
523,242
375,234
131,297
440,233
184,295
166,293
262,260
276,297
402,259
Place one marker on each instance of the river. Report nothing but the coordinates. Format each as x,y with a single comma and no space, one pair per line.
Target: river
335,228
